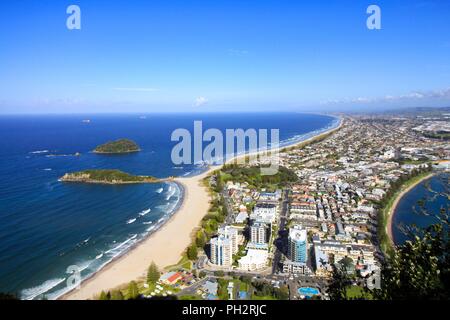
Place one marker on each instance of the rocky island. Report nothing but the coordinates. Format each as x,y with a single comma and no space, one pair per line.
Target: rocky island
118,147
107,177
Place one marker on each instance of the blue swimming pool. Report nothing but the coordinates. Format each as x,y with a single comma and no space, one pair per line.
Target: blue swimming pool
308,291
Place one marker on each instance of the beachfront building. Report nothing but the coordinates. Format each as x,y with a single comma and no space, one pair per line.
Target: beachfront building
231,233
265,212
258,233
221,251
170,278
296,268
297,252
298,244
270,196
241,218
323,267
255,259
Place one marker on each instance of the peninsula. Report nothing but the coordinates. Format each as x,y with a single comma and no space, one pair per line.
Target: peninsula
117,147
107,177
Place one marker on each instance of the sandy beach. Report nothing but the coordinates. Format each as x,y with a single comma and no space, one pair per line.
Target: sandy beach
389,229
164,247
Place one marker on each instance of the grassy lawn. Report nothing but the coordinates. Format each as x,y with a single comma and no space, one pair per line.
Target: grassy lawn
357,292
190,297
254,297
184,263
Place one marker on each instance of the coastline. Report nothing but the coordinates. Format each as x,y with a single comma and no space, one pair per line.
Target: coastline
391,213
166,245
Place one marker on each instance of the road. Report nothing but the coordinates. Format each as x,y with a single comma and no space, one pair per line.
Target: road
230,214
281,232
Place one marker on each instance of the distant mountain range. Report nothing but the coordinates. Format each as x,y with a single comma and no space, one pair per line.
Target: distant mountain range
416,110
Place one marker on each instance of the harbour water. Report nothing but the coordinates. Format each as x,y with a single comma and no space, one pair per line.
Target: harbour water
420,206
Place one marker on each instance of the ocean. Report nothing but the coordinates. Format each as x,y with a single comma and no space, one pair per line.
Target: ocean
47,226
428,195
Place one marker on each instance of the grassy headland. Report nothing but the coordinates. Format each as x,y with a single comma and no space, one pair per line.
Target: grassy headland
117,147
106,177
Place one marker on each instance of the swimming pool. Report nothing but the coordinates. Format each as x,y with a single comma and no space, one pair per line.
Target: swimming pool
308,291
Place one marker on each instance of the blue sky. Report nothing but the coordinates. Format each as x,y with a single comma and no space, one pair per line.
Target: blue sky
154,56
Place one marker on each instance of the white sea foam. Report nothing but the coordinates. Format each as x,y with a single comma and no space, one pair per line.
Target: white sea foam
171,191
159,190
147,222
84,265
122,246
39,151
32,293
99,256
143,213
48,169
131,221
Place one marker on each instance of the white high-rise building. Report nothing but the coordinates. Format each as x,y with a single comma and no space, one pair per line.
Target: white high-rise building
298,244
221,251
232,234
258,233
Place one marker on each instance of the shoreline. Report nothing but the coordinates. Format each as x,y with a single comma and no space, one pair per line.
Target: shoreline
391,213
166,245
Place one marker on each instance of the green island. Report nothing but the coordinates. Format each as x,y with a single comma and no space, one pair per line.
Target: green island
118,147
107,177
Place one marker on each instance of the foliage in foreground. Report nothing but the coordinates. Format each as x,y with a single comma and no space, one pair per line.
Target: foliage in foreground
419,269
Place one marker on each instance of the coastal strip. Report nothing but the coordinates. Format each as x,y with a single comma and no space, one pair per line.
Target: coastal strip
166,245
391,213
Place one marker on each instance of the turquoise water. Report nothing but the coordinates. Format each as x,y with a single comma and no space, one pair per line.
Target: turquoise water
308,291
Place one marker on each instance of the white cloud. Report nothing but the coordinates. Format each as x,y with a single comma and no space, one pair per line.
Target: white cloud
200,101
416,95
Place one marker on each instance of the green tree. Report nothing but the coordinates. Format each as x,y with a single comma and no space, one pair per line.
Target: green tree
419,269
117,295
347,265
281,293
192,252
152,274
133,291
219,273
338,286
200,240
104,296
7,296
246,279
